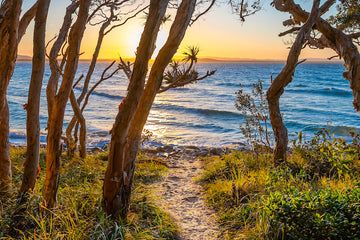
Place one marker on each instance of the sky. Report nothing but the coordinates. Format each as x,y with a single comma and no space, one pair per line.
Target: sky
218,34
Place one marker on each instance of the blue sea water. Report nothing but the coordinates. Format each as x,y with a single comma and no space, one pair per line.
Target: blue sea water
204,114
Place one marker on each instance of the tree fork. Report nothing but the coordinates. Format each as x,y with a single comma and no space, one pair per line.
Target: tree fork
56,117
117,184
333,38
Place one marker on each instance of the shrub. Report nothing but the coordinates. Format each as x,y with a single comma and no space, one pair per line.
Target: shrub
255,110
327,156
325,214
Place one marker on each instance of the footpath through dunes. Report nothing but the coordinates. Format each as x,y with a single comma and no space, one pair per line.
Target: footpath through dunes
182,197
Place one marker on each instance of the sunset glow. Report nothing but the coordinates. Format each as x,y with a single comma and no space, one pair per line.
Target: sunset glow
219,34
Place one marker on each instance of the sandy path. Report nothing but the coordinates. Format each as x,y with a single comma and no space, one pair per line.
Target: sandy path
184,199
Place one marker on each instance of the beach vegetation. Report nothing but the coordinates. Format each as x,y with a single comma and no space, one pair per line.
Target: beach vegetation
79,214
254,107
315,194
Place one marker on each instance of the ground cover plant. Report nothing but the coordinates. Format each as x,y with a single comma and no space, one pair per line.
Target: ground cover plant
314,195
80,215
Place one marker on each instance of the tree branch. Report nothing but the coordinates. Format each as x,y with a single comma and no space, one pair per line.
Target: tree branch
25,20
203,13
294,29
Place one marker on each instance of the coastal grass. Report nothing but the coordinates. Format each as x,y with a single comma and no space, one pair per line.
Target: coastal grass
314,195
79,214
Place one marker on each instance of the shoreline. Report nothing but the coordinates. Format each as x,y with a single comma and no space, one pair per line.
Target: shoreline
167,150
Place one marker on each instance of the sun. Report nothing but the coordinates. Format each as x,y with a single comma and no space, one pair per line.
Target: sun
134,39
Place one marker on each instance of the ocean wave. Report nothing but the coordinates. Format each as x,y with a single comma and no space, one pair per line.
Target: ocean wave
208,126
18,137
337,130
103,94
201,111
325,91
339,91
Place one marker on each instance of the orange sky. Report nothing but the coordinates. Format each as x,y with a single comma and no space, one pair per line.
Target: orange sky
219,34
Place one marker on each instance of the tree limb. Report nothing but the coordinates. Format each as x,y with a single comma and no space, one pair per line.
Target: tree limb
25,20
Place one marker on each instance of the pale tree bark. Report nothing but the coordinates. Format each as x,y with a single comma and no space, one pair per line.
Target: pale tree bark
52,85
9,23
116,191
56,118
277,87
331,38
176,35
33,107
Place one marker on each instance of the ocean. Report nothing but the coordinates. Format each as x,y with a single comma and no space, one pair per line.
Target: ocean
203,114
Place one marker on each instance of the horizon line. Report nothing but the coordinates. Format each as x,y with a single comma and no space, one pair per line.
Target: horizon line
24,58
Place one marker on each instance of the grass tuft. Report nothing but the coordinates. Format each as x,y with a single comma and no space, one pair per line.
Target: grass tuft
79,214
315,195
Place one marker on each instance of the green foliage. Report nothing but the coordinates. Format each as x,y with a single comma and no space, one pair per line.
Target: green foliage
245,8
324,214
150,170
254,107
80,215
325,155
347,17
297,200
181,74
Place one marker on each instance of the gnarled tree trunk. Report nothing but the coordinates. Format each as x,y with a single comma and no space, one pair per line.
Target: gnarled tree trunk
33,108
9,23
334,39
331,38
56,117
276,88
116,190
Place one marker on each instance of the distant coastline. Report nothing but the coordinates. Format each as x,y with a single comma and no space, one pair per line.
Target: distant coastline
24,58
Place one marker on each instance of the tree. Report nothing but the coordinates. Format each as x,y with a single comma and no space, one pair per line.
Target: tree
56,116
9,23
126,134
347,18
116,190
330,37
276,88
110,17
11,32
33,106
245,8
